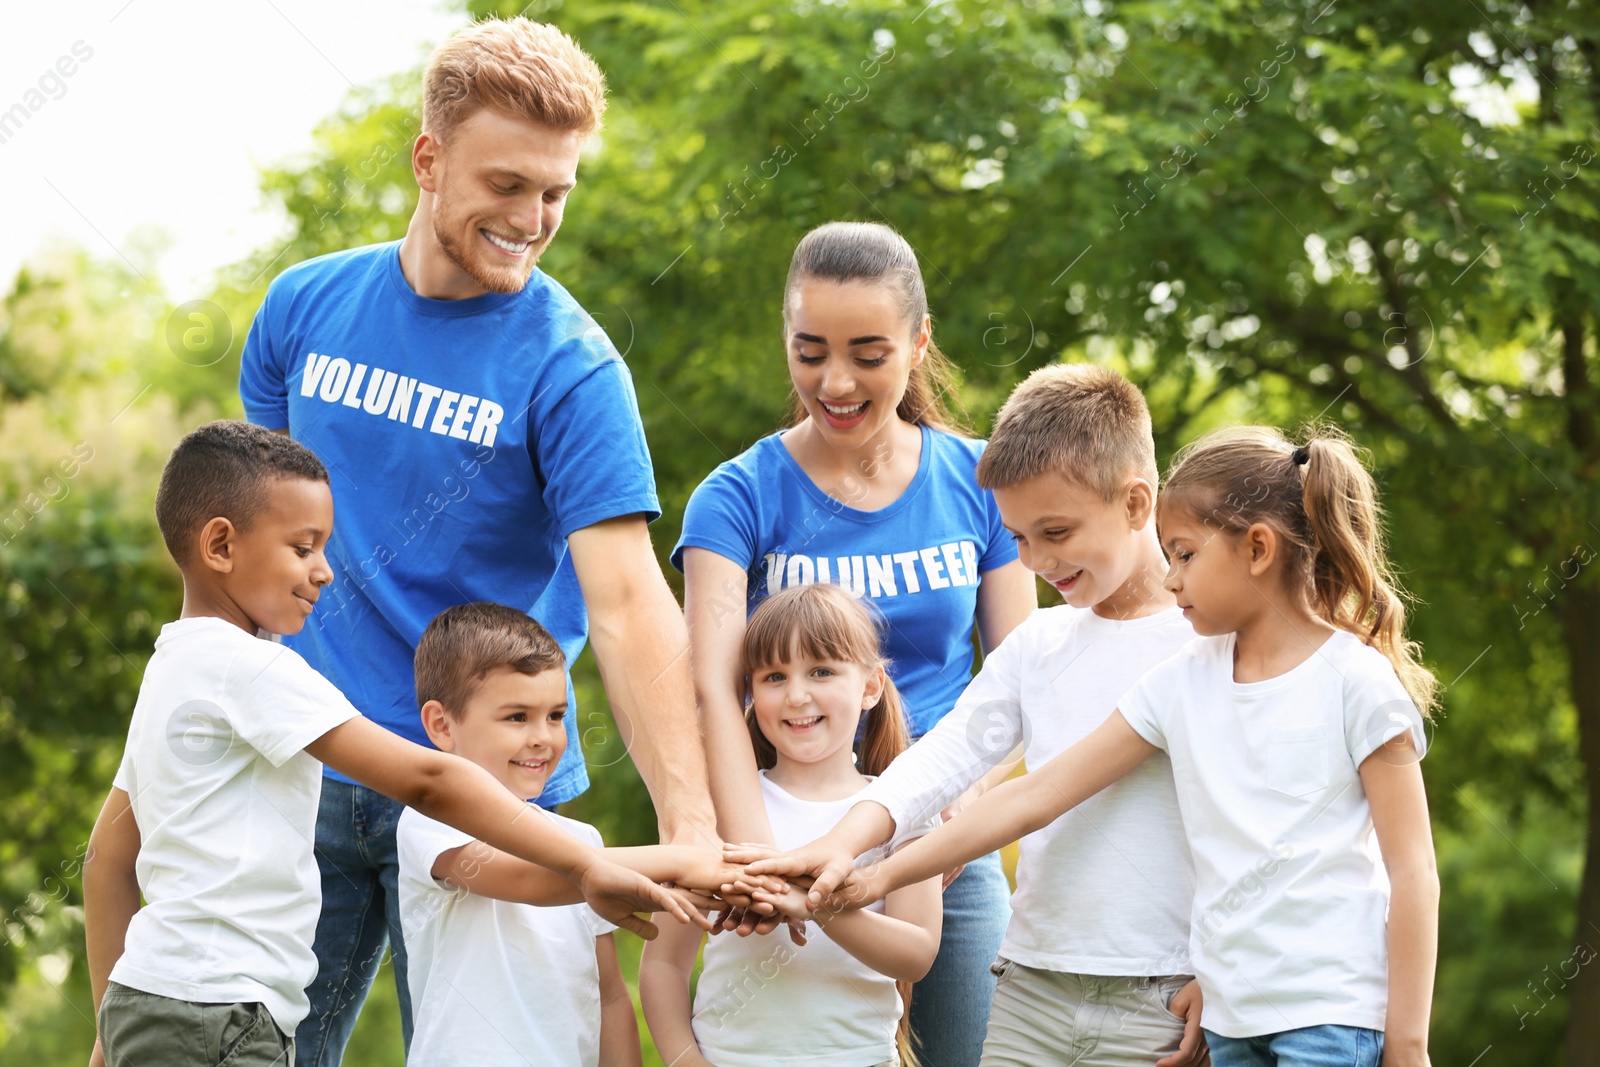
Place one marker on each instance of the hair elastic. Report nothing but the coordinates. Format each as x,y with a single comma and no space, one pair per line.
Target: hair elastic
1300,456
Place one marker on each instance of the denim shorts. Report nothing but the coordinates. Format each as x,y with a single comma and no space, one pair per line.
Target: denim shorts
1309,1046
138,1029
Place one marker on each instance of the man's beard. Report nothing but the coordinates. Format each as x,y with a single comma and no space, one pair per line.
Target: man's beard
507,279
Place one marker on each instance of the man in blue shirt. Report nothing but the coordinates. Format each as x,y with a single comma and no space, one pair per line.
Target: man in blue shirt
484,443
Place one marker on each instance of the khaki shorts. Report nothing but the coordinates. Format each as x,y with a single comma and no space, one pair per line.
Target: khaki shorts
139,1029
1049,1018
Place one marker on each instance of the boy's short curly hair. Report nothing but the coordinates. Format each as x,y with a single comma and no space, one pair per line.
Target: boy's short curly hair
1081,420
222,470
464,643
517,67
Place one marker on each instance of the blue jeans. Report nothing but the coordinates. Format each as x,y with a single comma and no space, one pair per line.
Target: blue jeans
360,915
1310,1046
950,1007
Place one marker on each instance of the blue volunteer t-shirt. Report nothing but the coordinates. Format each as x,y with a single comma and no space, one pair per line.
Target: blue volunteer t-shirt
465,440
918,560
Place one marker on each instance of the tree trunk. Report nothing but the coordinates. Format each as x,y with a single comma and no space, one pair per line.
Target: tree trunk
1581,629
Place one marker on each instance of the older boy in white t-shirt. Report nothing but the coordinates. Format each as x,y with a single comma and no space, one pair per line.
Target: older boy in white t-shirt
1094,969
212,814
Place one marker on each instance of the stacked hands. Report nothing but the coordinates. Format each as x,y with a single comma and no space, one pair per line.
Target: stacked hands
745,888
808,883
721,891
703,884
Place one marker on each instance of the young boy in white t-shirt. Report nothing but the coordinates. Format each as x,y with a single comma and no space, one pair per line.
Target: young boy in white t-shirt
1094,969
212,814
496,978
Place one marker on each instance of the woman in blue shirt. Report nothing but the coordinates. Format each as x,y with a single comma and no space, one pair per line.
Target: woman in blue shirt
870,488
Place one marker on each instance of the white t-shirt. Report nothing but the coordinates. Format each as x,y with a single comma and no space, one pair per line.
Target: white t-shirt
494,982
1105,889
762,1001
1291,898
226,802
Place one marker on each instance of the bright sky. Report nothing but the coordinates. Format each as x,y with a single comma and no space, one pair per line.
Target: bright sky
164,124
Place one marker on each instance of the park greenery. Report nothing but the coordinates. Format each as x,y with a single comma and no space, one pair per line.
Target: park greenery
1377,213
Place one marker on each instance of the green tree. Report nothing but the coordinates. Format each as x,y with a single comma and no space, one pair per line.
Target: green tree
1379,213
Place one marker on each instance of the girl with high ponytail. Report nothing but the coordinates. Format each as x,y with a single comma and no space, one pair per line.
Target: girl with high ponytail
1295,724
813,665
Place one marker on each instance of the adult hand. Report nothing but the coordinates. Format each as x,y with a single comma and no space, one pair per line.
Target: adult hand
1192,1050
618,895
790,904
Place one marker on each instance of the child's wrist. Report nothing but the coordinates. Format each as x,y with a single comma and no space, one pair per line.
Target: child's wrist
1405,1039
584,864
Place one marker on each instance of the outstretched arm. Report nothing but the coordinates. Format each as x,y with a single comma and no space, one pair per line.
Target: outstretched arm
485,870
459,793
1014,809
641,645
1007,595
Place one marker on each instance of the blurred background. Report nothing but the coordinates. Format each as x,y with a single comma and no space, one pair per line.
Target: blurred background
1383,214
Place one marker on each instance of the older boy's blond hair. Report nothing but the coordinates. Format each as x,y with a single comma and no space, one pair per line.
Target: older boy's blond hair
515,66
1083,421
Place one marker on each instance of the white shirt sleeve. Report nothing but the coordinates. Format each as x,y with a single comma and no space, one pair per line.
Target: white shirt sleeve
973,738
420,841
1377,707
1142,704
278,704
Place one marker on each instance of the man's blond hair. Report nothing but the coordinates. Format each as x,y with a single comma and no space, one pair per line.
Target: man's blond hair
1083,421
517,67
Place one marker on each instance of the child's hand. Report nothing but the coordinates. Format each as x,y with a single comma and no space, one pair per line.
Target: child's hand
750,917
697,899
709,872
618,894
97,1058
790,904
828,867
1192,1049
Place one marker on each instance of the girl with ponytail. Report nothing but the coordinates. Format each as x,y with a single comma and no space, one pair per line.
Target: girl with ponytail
1295,727
814,669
